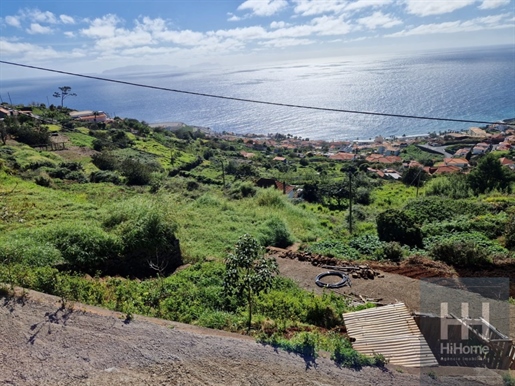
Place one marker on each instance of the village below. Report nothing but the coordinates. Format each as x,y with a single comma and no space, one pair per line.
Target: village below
348,252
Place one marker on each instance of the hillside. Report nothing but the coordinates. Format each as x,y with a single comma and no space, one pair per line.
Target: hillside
141,220
45,344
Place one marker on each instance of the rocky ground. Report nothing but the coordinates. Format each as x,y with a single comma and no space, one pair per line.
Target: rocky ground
43,342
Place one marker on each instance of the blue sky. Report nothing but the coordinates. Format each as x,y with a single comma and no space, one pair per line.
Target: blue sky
92,36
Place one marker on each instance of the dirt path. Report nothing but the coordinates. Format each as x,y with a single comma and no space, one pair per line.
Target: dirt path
42,343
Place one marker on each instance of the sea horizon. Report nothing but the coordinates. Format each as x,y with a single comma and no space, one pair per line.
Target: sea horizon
470,84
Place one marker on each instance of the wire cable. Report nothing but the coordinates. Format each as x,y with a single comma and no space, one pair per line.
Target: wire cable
246,100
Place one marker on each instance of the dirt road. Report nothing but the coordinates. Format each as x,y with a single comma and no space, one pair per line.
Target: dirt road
42,343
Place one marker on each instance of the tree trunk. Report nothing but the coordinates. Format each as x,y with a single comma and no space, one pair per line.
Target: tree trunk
250,310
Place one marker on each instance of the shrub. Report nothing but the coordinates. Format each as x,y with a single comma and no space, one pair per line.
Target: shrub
147,234
85,247
105,161
242,190
334,248
395,225
366,244
43,181
274,232
137,173
391,251
463,249
28,249
509,233
270,198
104,176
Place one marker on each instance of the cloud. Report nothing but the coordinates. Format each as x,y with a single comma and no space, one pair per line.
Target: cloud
491,4
378,19
13,21
32,52
36,15
103,27
430,7
477,24
263,7
65,19
288,42
70,34
36,28
317,7
367,3
233,17
278,24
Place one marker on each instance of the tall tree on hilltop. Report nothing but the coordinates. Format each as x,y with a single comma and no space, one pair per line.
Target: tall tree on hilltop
65,93
490,175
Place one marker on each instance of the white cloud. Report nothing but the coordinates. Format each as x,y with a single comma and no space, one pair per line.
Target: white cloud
102,27
65,19
36,15
317,7
367,3
33,52
233,17
70,34
477,24
13,21
432,7
263,7
278,24
288,42
491,4
378,19
36,28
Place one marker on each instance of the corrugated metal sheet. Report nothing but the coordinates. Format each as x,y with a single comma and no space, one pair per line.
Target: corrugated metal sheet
392,332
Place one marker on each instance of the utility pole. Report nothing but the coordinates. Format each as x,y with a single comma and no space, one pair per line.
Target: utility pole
223,171
350,202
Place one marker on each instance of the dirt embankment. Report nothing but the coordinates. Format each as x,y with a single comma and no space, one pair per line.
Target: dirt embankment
44,343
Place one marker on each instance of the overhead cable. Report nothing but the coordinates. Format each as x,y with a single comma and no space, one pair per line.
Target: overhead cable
246,100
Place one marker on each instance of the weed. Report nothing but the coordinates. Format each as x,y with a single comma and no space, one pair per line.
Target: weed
508,379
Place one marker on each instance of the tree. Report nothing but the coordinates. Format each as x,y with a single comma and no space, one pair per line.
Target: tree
489,175
65,93
414,177
248,272
395,225
3,132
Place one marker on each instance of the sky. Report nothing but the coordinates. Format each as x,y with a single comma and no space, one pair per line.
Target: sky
94,36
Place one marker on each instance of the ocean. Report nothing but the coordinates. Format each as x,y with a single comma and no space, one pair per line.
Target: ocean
470,84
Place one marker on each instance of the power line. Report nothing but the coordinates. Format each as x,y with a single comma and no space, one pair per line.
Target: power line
246,100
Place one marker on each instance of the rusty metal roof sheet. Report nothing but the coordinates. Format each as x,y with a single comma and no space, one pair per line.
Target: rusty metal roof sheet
392,332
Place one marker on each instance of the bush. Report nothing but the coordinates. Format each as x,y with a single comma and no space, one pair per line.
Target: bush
334,248
366,244
395,225
390,251
270,197
85,247
274,232
105,161
147,234
105,176
137,173
463,249
43,181
509,233
28,249
242,190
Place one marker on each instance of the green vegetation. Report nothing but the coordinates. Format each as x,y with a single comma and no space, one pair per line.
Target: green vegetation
133,202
